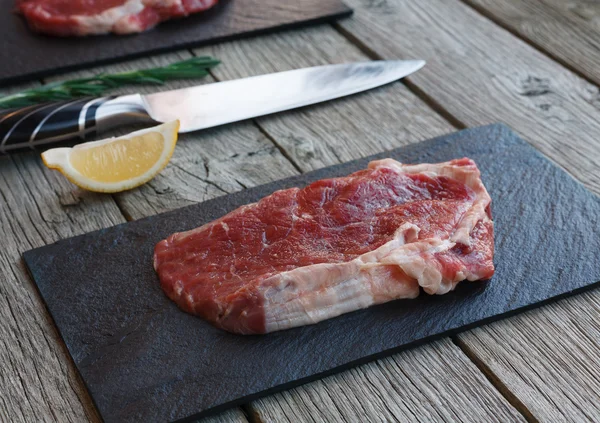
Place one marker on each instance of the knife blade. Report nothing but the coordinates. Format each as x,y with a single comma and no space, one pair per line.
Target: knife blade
198,107
211,105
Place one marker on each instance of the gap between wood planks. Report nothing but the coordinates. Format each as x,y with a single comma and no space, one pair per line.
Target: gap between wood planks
495,380
496,20
250,414
426,98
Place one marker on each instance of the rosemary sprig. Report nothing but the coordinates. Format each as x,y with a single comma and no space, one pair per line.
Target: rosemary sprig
196,67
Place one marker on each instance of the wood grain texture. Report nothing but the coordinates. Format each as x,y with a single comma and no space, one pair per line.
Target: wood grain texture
559,348
332,133
485,74
567,30
37,379
206,165
433,383
340,130
234,415
546,358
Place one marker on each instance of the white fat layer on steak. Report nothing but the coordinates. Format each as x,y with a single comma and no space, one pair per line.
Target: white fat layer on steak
118,19
113,19
395,270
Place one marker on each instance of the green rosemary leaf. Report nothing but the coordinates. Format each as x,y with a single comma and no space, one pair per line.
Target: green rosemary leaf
195,67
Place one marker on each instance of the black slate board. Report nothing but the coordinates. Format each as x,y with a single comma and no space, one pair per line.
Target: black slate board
145,360
27,55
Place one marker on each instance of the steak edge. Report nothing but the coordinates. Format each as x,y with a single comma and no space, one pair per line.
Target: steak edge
300,256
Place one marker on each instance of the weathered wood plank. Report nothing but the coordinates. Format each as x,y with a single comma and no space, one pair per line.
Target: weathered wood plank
336,131
207,165
588,10
481,73
433,383
37,380
234,415
568,31
396,388
558,346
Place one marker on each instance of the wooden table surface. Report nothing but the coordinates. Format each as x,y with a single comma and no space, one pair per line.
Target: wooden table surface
533,64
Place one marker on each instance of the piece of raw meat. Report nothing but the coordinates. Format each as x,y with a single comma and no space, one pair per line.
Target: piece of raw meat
300,256
86,17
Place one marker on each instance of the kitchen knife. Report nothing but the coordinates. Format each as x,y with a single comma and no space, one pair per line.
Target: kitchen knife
198,107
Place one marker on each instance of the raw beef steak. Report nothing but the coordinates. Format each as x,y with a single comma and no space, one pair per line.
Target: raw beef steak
300,256
85,17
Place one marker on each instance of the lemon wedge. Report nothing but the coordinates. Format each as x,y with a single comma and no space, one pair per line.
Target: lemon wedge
116,164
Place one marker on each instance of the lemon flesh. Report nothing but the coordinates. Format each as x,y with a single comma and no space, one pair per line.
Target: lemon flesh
119,161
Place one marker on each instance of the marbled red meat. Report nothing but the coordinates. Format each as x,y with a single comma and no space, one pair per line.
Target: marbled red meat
300,256
85,17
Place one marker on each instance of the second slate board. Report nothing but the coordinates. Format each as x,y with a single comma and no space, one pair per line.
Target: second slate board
144,360
34,56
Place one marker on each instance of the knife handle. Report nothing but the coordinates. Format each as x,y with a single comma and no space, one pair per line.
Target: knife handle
73,120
